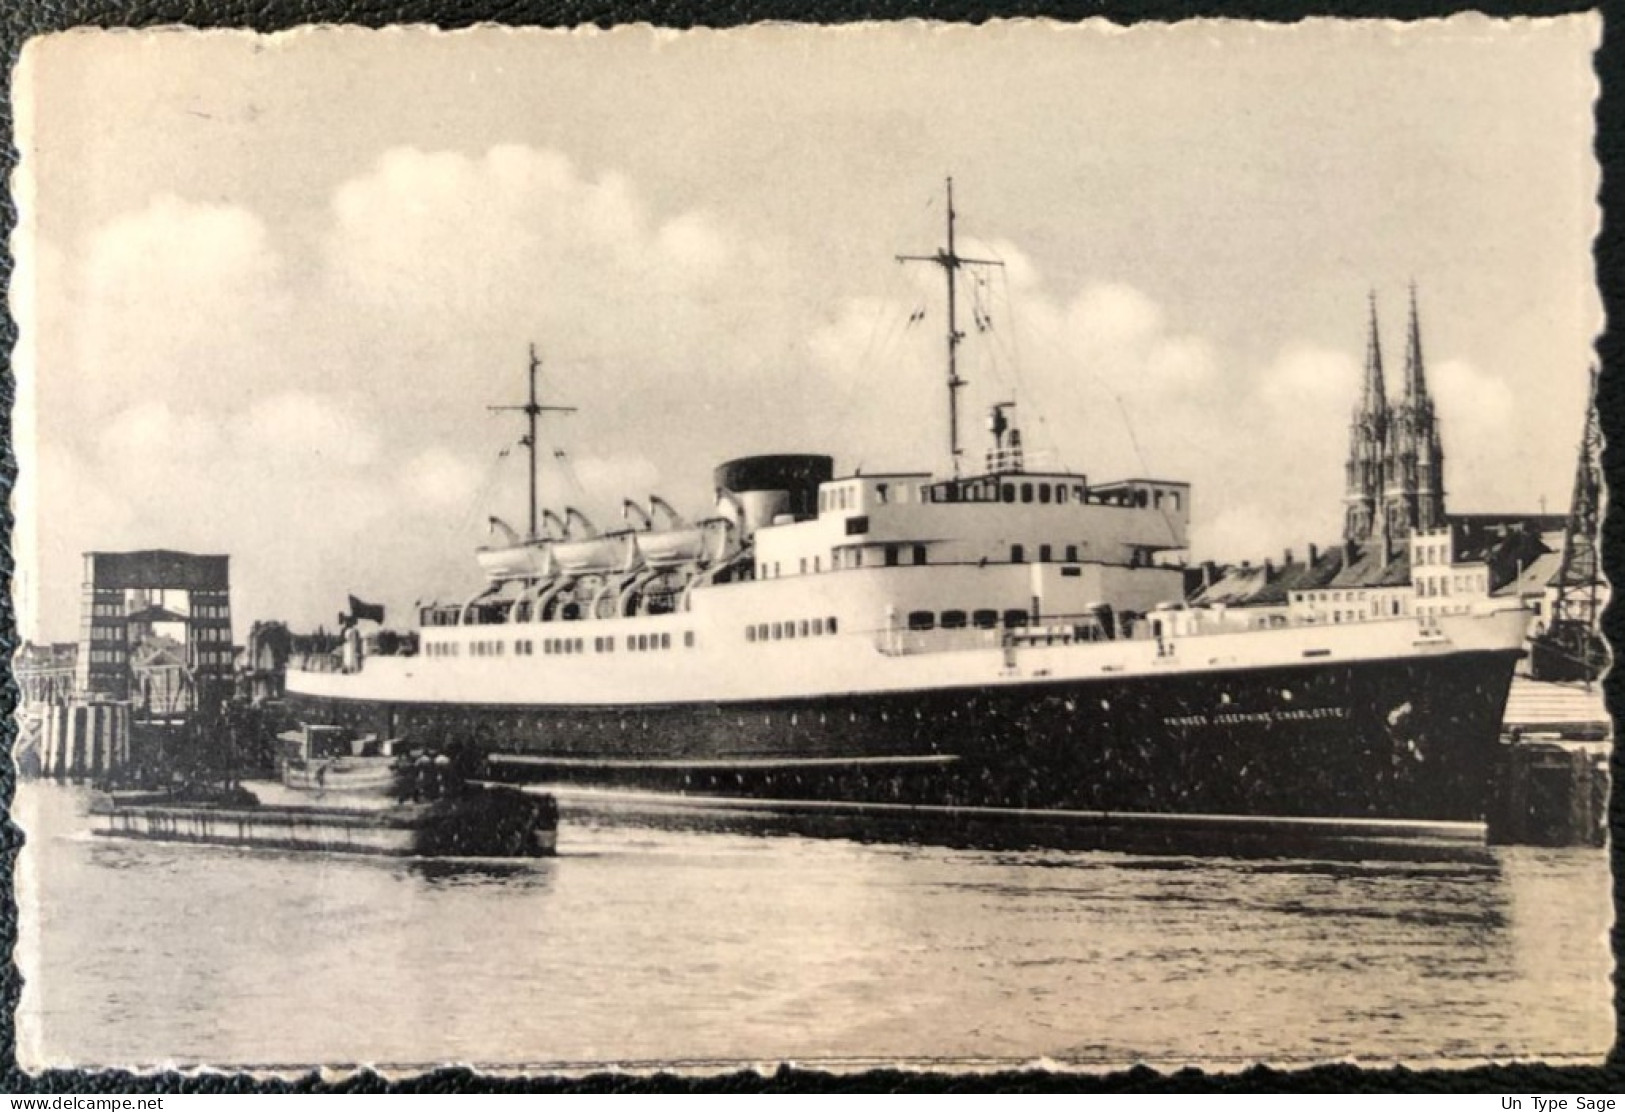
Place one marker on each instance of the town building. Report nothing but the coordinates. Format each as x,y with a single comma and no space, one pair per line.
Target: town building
1402,553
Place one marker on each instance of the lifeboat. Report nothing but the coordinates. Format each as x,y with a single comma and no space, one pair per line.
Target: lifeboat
587,551
671,548
514,558
529,560
676,544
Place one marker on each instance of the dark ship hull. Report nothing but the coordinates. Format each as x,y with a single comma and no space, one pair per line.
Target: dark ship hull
1411,738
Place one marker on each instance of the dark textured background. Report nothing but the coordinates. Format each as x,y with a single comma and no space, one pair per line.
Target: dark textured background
21,19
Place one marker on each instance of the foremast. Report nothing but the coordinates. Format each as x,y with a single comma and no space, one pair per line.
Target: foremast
532,409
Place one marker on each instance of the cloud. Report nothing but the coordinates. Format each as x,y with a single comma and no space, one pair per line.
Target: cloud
206,385
204,378
177,300
440,478
300,425
1477,416
152,430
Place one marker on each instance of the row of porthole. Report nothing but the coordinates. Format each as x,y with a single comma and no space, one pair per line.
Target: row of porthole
920,621
561,646
789,631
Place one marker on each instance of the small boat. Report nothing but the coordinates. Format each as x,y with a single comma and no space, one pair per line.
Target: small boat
330,761
588,551
484,820
516,557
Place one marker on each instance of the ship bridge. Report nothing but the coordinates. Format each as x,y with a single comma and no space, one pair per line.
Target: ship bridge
908,519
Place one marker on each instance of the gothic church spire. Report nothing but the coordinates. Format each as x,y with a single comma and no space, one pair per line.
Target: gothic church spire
1416,383
1375,400
1368,437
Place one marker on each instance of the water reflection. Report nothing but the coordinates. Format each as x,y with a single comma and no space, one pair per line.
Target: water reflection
1463,846
481,873
733,936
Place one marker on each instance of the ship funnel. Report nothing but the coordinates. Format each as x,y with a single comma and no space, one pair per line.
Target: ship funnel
768,487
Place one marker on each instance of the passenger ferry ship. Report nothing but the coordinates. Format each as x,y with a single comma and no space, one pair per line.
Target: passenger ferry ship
1005,637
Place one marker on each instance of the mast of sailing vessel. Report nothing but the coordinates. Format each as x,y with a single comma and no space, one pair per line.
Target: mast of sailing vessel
532,410
950,262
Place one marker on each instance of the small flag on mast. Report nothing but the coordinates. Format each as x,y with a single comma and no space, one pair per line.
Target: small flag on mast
366,611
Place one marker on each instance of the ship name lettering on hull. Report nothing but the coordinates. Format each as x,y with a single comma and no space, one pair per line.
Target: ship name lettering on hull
1258,717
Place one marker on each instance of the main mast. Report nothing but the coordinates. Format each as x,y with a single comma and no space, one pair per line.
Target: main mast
950,262
532,409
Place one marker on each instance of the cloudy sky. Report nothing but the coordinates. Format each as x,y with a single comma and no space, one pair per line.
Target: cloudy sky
268,286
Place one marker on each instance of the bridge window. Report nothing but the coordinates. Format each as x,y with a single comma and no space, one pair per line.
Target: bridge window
953,619
806,627
891,555
818,627
750,633
1060,494
985,619
789,631
1015,619
1043,554
1173,500
919,554
1007,492
1026,492
688,638
1043,493
921,620
778,631
857,526
1071,553
829,624
1018,554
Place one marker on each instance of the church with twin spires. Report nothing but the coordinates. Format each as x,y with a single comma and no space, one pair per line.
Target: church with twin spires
1395,471
1401,553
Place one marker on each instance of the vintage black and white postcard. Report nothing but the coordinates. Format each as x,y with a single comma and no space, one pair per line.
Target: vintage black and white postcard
895,544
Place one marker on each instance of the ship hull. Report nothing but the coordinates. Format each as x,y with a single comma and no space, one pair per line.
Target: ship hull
1405,738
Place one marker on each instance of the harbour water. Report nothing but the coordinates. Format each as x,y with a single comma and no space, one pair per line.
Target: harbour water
646,943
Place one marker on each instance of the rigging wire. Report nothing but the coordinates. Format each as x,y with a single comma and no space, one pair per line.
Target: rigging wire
879,342
567,469
479,501
1047,433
